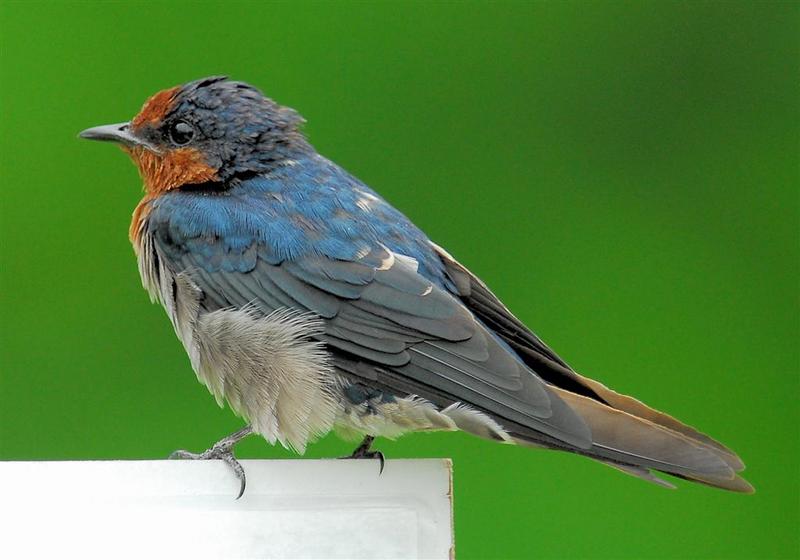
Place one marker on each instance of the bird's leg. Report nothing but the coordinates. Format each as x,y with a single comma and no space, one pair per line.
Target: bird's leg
363,451
223,450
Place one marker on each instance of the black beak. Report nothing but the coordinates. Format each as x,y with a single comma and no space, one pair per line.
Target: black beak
119,133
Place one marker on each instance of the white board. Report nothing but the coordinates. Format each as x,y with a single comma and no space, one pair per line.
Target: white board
186,509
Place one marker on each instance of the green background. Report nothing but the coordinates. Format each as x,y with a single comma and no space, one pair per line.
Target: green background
623,175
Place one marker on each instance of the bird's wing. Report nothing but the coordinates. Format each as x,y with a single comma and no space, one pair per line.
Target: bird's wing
486,306
449,341
608,413
384,323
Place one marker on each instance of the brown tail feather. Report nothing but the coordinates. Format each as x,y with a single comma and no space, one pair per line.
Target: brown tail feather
637,444
641,410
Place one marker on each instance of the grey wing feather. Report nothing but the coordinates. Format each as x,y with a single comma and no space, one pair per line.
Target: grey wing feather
626,433
400,330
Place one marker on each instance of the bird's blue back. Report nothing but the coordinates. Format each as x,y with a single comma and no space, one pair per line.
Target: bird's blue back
311,207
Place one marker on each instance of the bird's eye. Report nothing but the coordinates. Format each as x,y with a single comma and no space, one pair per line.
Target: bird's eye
181,132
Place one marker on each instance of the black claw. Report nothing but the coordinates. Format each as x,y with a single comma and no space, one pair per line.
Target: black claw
382,459
242,487
363,452
238,470
227,456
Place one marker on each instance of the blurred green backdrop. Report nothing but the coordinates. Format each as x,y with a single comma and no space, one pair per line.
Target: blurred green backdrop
624,175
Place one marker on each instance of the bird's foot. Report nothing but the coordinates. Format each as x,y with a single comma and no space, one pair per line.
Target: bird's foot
364,451
222,450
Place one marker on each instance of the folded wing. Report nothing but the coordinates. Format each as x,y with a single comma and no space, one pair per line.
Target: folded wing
626,433
384,323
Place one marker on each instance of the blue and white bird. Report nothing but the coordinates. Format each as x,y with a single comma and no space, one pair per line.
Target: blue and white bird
307,303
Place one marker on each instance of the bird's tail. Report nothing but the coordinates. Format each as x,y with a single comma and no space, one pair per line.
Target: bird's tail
634,438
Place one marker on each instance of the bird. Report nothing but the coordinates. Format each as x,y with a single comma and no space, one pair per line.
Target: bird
309,304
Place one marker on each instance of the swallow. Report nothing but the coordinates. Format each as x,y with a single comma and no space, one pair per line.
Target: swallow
309,304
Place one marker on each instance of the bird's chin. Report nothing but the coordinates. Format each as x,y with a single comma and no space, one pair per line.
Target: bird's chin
164,171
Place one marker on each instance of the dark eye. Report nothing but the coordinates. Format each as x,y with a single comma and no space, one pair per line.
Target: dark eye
181,132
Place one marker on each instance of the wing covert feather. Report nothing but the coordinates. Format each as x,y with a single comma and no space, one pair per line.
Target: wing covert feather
389,320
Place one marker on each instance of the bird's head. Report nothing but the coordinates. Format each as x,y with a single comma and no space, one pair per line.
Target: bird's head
209,130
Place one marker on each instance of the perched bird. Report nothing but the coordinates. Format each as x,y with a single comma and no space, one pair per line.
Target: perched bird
309,303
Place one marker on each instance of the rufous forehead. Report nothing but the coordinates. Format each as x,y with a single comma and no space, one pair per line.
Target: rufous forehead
156,108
